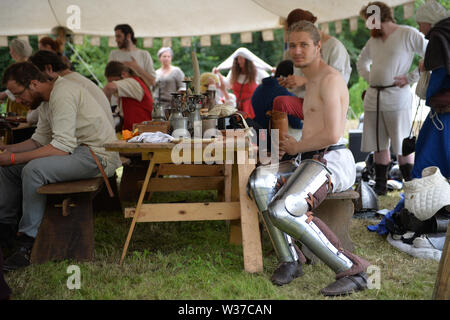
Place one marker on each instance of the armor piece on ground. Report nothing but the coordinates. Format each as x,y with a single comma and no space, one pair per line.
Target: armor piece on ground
262,187
368,199
427,195
288,212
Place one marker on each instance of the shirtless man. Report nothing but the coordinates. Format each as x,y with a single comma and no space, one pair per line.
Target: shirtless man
323,165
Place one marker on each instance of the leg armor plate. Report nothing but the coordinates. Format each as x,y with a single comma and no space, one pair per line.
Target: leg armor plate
262,187
288,210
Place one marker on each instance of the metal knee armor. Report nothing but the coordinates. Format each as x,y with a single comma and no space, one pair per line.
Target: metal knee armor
288,212
262,187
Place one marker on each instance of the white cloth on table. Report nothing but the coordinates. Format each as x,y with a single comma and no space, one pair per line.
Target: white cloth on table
152,137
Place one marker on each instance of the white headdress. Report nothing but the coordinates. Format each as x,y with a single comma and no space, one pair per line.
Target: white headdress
431,12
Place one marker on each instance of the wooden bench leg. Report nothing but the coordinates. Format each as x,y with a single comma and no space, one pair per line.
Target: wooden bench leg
66,237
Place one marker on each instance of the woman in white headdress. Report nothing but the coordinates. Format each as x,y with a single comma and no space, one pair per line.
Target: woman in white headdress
243,79
169,78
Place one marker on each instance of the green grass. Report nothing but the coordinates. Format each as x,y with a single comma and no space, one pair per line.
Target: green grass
193,260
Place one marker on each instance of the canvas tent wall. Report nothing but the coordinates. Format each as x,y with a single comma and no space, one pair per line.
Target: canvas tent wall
171,18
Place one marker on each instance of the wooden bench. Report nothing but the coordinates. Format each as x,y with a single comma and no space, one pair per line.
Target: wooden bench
336,211
67,228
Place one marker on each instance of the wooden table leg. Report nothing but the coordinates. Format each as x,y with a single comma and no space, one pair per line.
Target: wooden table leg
235,225
251,239
442,285
138,207
227,183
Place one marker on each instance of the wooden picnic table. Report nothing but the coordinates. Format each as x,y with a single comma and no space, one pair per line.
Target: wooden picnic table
236,205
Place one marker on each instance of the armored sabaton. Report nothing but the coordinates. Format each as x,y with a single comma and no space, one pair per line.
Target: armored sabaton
287,211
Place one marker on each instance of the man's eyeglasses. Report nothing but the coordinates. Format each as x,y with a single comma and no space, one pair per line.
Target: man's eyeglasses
19,95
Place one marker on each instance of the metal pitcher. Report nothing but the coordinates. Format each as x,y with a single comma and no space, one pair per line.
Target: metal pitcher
177,121
158,112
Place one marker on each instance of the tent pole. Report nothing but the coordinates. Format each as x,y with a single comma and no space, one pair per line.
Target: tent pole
85,64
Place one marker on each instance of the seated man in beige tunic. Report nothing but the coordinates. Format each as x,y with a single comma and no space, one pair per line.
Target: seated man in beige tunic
67,145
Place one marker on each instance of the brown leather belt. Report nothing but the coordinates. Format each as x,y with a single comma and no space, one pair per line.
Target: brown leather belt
100,167
322,152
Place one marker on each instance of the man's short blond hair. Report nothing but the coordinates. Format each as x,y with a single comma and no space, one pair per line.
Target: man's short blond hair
306,26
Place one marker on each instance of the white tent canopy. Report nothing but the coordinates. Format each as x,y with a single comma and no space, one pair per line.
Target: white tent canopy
171,18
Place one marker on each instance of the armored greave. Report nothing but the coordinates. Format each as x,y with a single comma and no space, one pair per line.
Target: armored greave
289,209
263,186
282,243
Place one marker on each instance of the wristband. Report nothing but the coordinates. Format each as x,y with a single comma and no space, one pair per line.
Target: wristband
13,159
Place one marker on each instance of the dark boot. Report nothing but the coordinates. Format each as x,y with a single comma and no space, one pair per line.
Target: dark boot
346,285
286,272
381,176
406,169
7,237
21,258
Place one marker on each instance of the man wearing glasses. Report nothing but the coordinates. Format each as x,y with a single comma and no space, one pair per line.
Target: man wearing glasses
70,127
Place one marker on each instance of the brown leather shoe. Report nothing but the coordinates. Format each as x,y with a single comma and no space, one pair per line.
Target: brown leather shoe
346,285
286,272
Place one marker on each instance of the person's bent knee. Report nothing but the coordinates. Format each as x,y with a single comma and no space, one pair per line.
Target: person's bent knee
280,216
34,169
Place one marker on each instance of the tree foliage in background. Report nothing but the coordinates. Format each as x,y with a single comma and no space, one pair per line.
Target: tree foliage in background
210,57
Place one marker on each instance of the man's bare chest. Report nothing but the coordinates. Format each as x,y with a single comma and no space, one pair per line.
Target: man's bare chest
312,102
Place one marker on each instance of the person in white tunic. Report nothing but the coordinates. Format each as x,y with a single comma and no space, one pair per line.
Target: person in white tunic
137,59
384,63
70,134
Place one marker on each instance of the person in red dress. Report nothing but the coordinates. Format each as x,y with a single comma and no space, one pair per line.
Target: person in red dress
243,90
136,101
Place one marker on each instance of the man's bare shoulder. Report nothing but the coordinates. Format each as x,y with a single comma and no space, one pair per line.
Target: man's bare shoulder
331,76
